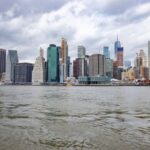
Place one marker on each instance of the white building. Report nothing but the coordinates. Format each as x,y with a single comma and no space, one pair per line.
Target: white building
39,71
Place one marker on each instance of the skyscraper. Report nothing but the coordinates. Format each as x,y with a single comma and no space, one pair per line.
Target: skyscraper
79,67
97,65
120,56
23,73
12,59
142,55
2,60
53,63
106,52
81,51
39,71
116,46
149,58
63,59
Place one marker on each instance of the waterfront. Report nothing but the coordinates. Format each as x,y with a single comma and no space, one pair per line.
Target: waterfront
74,118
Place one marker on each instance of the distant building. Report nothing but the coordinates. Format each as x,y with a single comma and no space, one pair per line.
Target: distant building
87,66
141,66
68,66
117,71
142,55
2,60
12,59
39,70
63,59
144,73
120,56
149,58
2,63
128,75
53,63
116,46
23,73
96,65
109,67
79,67
106,52
81,51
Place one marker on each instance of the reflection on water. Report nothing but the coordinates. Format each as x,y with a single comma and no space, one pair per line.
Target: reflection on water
74,118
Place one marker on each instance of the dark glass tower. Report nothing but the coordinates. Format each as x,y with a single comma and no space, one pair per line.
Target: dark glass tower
53,63
23,73
116,46
2,60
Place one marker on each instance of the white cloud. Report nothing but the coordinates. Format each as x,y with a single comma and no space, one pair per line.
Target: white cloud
80,22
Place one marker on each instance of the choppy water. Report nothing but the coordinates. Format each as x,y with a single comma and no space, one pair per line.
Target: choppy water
74,118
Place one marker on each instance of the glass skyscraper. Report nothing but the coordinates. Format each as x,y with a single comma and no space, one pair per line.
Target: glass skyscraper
116,46
53,63
2,60
81,51
106,52
23,73
12,59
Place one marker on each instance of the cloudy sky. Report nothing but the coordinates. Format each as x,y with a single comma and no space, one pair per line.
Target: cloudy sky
26,25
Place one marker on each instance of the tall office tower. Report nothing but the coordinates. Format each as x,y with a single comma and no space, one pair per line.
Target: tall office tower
12,59
2,63
53,63
142,55
87,64
116,46
23,73
106,52
97,65
81,51
39,71
2,60
79,67
63,58
68,66
109,67
149,58
141,65
120,56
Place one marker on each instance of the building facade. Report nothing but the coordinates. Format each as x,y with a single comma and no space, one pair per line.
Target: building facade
97,65
63,59
39,70
116,46
106,52
79,68
120,59
53,63
23,73
109,67
2,60
12,59
2,63
81,51
141,66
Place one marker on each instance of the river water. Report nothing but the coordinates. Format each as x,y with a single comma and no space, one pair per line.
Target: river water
74,118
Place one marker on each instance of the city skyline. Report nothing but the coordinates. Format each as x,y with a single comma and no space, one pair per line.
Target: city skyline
94,24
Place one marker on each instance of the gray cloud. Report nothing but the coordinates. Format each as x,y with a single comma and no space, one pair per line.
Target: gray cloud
28,24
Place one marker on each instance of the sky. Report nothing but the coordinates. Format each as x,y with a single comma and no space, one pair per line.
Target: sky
27,25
